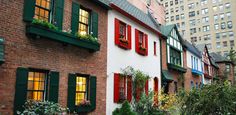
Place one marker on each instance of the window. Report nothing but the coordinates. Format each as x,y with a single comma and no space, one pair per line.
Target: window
171,3
215,18
192,22
167,12
231,34
37,85
205,19
227,68
84,16
207,37
217,45
141,40
216,26
206,28
122,34
81,93
43,10
192,14
217,35
214,8
176,2
182,16
193,39
175,56
226,53
191,6
225,44
209,46
181,8
203,2
183,24
221,7
177,17
172,10
166,4
176,9
205,11
214,1
230,25
227,5
232,43
172,18
223,26
224,35
222,16
228,14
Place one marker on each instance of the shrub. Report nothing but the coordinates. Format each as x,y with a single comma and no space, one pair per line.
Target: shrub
215,99
44,23
41,108
124,110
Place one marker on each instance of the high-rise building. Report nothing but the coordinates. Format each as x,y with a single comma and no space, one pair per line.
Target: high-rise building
210,22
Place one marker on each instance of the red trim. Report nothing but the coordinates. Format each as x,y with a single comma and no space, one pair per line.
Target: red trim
117,24
125,86
143,52
155,48
134,19
116,87
129,89
146,87
129,37
146,43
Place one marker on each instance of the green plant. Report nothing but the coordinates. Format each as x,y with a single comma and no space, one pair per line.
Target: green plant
145,106
44,23
41,108
214,99
86,37
124,110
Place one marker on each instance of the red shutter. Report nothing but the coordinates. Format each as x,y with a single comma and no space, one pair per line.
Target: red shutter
117,23
116,87
136,41
146,87
155,48
146,43
129,89
125,86
155,85
129,37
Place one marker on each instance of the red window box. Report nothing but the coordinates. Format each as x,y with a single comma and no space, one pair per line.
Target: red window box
122,34
121,85
141,43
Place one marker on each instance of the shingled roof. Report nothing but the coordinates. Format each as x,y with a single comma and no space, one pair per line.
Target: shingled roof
136,12
219,58
192,49
201,47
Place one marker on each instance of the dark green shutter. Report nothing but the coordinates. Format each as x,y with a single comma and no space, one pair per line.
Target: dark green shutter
93,86
20,89
59,7
94,24
29,8
75,17
71,92
54,87
1,50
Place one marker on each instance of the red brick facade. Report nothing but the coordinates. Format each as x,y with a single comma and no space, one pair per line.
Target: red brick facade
21,51
222,71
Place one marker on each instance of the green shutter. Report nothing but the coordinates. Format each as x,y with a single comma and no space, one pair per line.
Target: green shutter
59,7
29,8
54,87
93,86
71,92
75,17
20,88
1,50
94,24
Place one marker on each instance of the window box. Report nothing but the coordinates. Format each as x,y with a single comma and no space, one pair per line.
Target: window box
122,34
37,30
177,67
1,51
196,72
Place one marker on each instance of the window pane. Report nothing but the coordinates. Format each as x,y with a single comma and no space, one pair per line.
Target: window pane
81,90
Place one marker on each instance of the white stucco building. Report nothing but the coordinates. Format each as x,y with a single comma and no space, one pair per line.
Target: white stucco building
132,41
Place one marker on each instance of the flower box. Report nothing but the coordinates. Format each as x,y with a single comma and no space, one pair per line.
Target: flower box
43,32
176,67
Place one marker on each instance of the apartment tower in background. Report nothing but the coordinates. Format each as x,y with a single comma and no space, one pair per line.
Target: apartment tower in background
210,22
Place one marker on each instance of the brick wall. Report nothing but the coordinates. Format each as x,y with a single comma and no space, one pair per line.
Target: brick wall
46,54
221,71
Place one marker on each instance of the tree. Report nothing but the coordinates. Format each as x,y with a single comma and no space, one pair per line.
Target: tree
232,55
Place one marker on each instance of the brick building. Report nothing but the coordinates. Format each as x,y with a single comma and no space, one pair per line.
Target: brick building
173,52
44,59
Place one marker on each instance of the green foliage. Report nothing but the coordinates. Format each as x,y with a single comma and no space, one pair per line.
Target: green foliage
215,99
124,110
87,37
232,55
44,24
41,108
145,105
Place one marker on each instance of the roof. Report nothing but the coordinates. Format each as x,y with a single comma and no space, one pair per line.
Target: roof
166,76
200,47
104,3
136,13
166,30
192,49
218,57
213,63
